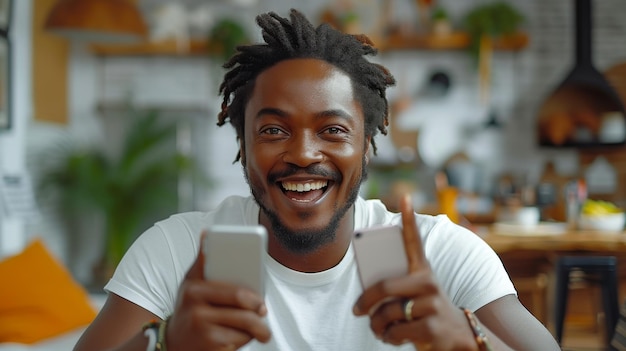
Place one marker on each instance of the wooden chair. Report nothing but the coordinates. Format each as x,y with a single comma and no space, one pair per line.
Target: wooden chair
600,270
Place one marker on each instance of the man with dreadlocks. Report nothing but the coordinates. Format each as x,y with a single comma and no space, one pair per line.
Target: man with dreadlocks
306,106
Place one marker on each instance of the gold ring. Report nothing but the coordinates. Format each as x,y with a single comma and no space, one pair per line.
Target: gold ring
408,310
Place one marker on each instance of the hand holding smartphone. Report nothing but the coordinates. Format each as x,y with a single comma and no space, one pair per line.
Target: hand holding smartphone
234,254
380,254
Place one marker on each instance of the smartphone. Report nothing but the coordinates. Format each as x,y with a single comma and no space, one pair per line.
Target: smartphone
234,254
379,253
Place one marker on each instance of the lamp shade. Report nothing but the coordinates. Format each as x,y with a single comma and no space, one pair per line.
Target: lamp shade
97,20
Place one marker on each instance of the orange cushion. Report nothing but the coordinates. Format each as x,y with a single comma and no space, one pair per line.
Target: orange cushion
38,297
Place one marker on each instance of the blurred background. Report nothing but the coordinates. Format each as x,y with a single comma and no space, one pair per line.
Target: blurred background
109,125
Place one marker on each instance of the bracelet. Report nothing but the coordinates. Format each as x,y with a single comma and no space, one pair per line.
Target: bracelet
155,332
161,346
479,335
151,334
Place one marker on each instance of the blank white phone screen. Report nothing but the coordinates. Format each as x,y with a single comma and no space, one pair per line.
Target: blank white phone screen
380,254
235,254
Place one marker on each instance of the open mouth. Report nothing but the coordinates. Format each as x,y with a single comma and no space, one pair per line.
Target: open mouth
304,191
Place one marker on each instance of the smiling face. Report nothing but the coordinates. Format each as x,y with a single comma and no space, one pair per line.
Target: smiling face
304,151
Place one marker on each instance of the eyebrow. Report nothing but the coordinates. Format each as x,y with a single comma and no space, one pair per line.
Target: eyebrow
323,114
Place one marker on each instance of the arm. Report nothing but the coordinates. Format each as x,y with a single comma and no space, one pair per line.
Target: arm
208,315
511,321
109,330
431,321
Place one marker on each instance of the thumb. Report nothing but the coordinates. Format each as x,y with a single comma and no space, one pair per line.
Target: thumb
196,271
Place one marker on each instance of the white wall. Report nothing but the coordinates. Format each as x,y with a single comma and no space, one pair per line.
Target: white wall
12,142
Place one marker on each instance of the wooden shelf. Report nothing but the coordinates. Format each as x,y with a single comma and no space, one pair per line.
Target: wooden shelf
163,48
512,42
452,41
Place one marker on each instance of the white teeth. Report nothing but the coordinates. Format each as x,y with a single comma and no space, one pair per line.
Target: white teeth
302,187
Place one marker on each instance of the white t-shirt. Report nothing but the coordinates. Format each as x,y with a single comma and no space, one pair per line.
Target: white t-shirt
308,311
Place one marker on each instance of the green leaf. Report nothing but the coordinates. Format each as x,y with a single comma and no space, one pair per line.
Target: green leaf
225,36
129,187
492,19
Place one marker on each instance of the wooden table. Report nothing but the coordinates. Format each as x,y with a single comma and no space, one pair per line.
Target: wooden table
529,259
570,240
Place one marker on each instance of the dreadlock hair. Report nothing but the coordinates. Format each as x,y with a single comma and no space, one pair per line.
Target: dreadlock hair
298,38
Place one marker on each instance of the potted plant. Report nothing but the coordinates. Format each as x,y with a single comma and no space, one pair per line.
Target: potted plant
491,21
441,21
484,24
224,37
126,188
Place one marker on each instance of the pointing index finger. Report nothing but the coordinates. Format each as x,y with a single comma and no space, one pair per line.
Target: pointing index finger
412,240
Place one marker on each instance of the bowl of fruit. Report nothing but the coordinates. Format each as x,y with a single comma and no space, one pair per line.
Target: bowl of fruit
601,216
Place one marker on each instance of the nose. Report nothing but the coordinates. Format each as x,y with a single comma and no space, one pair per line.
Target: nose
303,150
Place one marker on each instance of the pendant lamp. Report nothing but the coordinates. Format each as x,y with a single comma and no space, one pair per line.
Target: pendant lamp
97,21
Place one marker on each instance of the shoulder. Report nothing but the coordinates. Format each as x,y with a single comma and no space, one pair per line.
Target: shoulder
468,269
444,238
152,269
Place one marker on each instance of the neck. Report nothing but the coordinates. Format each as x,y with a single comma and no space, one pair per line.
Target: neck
319,260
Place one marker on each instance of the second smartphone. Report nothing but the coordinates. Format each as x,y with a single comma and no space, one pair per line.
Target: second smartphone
380,254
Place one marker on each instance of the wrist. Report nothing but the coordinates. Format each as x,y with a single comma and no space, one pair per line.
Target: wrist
479,335
155,332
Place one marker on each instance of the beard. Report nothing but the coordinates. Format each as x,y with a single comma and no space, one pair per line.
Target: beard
307,240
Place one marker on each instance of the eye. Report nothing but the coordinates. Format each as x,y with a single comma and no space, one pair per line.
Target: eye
334,130
272,131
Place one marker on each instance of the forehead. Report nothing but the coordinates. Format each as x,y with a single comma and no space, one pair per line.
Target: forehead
303,69
303,82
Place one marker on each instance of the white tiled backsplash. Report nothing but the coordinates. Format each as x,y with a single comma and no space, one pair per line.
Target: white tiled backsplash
156,81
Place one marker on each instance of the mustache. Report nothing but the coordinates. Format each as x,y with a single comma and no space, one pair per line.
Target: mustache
315,170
